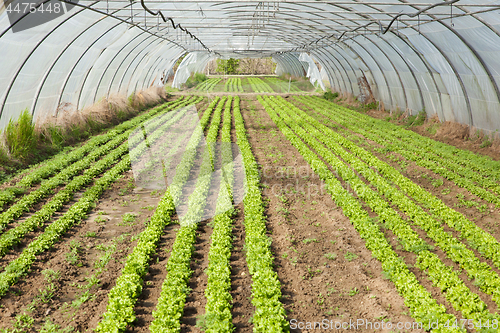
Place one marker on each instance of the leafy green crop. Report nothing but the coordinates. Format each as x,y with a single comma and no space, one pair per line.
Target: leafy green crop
122,297
420,301
270,314
174,290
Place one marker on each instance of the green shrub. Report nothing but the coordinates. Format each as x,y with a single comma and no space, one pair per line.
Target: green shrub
329,96
195,79
20,136
200,77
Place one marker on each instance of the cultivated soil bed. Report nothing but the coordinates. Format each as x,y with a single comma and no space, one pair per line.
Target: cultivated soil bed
326,272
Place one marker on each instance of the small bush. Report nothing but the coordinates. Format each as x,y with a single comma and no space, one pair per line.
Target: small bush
20,136
329,96
195,79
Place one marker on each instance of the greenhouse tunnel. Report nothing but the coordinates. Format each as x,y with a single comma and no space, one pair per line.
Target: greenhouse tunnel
437,56
247,166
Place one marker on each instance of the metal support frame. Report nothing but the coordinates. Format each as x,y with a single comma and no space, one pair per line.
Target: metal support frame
478,58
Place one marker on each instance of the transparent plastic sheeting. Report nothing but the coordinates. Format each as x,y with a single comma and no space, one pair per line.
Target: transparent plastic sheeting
289,63
445,61
75,60
298,64
194,62
312,70
452,73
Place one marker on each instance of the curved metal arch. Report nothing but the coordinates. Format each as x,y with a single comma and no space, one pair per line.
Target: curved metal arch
84,80
459,77
374,58
325,62
49,70
293,61
346,72
174,60
345,82
84,53
46,36
350,64
109,64
422,100
452,66
68,76
138,65
393,66
121,63
361,59
285,65
424,62
346,9
43,39
291,64
364,62
14,77
370,19
412,73
313,29
133,59
474,52
152,69
396,70
376,63
329,53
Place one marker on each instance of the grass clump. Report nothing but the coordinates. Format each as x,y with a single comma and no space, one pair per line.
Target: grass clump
416,120
486,142
349,256
20,137
26,141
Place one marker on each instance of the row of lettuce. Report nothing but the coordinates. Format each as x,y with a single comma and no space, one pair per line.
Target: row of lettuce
259,86
208,85
269,314
113,165
283,86
65,159
233,85
478,238
478,174
345,159
110,154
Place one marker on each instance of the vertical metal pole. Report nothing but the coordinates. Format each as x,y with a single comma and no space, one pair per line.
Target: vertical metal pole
451,15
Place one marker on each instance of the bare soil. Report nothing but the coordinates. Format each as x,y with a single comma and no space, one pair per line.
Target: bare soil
324,268
305,225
